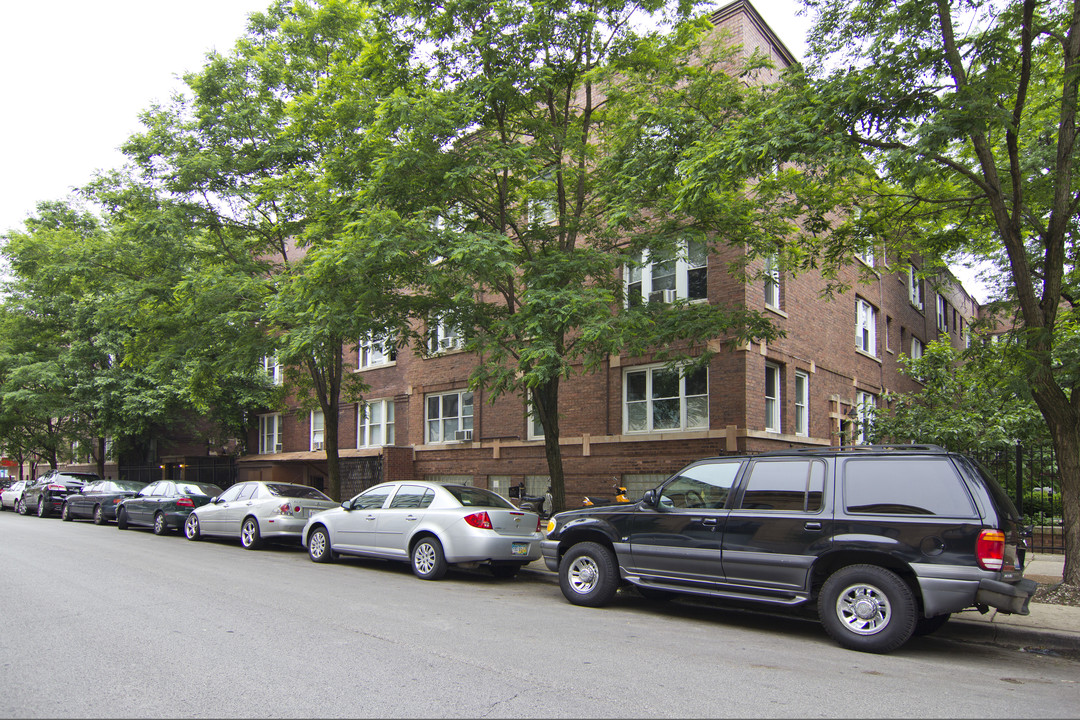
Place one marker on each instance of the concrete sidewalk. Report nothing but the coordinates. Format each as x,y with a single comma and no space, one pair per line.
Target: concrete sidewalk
1048,628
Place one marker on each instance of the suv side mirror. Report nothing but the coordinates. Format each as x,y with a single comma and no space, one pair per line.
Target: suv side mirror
649,498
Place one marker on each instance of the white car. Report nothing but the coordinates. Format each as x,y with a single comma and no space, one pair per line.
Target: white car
429,525
10,496
256,512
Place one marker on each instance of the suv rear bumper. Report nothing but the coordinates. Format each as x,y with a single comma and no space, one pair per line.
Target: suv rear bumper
949,589
1006,597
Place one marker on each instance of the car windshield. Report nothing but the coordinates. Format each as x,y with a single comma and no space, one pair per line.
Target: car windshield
295,491
189,488
82,477
132,485
478,497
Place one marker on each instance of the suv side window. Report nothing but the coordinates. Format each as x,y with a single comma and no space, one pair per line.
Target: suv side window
701,486
785,485
906,486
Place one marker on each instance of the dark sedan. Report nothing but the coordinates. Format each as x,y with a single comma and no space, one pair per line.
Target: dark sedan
46,495
164,505
99,500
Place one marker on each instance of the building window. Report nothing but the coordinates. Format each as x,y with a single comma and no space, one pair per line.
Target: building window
772,397
375,351
658,399
272,368
772,282
449,417
444,337
375,423
942,314
915,287
865,327
864,408
802,403
916,348
866,255
668,277
888,331
535,430
318,427
269,434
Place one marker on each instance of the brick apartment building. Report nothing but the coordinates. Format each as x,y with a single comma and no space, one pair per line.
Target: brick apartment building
632,419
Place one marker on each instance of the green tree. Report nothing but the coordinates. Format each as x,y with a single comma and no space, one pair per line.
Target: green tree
500,147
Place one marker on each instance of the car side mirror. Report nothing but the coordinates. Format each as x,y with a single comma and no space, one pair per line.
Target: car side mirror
649,498
347,505
216,499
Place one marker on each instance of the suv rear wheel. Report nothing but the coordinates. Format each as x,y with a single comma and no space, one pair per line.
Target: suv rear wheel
868,608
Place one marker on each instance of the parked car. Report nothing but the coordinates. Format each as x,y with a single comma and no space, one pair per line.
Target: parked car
256,512
164,505
888,541
10,496
429,525
46,495
99,500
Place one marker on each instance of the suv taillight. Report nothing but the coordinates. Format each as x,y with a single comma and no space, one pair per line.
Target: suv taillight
990,549
59,488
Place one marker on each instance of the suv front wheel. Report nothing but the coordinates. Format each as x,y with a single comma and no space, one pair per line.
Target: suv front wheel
868,608
589,574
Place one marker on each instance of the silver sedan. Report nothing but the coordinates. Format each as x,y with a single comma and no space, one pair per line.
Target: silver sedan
257,511
429,525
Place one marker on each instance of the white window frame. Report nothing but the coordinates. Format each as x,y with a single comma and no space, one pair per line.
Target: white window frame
649,401
865,327
866,255
772,282
447,426
380,432
916,348
534,431
865,404
641,273
915,287
374,351
316,430
802,403
269,433
272,368
772,398
443,337
942,314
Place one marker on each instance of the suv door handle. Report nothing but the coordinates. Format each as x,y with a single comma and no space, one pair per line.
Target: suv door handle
708,521
812,526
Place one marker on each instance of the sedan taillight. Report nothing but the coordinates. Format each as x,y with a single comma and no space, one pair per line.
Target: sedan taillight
185,502
479,520
285,509
990,549
538,523
56,487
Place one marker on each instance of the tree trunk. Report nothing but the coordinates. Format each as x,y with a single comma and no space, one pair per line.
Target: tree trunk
99,456
546,405
1066,438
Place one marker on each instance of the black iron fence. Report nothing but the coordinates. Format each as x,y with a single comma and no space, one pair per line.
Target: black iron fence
358,474
220,471
1030,475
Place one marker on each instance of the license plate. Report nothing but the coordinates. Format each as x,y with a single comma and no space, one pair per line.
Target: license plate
519,549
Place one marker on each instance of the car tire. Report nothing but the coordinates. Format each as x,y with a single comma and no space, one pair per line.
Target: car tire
589,574
65,513
191,527
319,549
99,515
867,608
41,511
928,625
250,537
160,526
121,519
19,507
505,570
428,560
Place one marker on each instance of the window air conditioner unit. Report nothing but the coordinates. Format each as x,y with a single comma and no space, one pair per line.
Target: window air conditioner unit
463,435
663,296
446,343
277,448
316,445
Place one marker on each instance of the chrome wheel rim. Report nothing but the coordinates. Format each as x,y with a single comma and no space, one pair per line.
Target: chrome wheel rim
247,533
41,507
98,517
159,523
191,526
863,609
424,558
317,545
64,512
583,574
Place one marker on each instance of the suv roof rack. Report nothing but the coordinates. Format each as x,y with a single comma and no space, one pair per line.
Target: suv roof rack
925,448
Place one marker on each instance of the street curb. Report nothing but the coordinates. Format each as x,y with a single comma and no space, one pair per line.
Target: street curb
975,631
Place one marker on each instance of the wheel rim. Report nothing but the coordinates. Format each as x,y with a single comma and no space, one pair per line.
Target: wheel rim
191,526
317,544
584,574
863,609
40,507
424,558
159,523
97,514
247,533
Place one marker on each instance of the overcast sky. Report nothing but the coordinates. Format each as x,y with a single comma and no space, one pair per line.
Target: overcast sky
77,73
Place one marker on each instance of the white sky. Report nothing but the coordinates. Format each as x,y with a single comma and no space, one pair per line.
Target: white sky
76,74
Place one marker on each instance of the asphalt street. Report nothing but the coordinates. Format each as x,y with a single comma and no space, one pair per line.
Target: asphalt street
99,622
